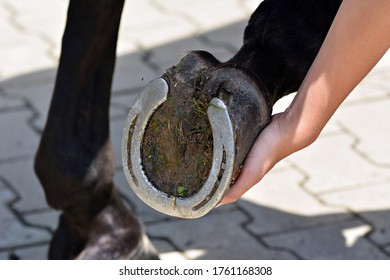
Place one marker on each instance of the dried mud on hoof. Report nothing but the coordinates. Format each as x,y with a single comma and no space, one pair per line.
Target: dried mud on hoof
177,148
189,131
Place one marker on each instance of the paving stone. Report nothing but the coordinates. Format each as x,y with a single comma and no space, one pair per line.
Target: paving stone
223,238
332,164
152,37
339,241
166,251
4,13
8,103
366,123
206,19
375,86
383,64
142,211
6,197
165,56
48,219
33,253
121,104
21,176
26,56
50,34
231,35
372,88
10,33
28,81
134,12
13,233
282,104
154,33
39,97
131,72
37,8
172,256
17,138
4,256
372,203
126,45
278,203
249,6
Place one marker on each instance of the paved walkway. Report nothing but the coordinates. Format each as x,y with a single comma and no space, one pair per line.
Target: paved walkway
330,201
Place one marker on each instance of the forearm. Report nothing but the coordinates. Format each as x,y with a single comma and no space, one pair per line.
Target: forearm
358,38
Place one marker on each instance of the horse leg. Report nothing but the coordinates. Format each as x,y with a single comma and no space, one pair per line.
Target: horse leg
281,41
74,161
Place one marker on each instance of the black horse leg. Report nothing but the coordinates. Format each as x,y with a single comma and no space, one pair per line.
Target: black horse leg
282,40
74,161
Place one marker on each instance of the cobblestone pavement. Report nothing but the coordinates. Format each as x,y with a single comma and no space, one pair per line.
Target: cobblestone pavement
329,201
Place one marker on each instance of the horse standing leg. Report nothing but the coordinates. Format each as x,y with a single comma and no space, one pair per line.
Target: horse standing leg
74,162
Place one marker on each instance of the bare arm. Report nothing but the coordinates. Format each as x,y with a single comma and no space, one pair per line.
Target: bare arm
357,39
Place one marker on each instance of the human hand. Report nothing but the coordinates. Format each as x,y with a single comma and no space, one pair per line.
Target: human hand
264,154
344,59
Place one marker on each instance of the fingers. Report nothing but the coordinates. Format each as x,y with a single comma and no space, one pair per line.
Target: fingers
261,158
250,175
255,167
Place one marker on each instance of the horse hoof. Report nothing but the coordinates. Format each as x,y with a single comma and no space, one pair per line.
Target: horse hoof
112,235
188,132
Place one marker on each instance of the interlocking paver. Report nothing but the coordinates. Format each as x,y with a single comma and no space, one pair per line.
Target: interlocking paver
205,20
338,241
8,103
10,33
28,81
230,36
249,6
38,8
167,252
131,72
134,15
27,18
17,138
4,255
372,88
278,203
293,212
144,212
165,56
282,104
21,176
366,123
376,212
44,219
225,239
38,97
169,29
25,56
332,164
13,233
33,253
120,105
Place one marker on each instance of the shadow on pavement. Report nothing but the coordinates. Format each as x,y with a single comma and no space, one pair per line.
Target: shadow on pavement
241,231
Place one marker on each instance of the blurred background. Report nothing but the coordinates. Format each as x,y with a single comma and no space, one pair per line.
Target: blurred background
329,201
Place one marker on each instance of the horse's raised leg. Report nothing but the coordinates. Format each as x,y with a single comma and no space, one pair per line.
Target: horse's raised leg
74,161
189,132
